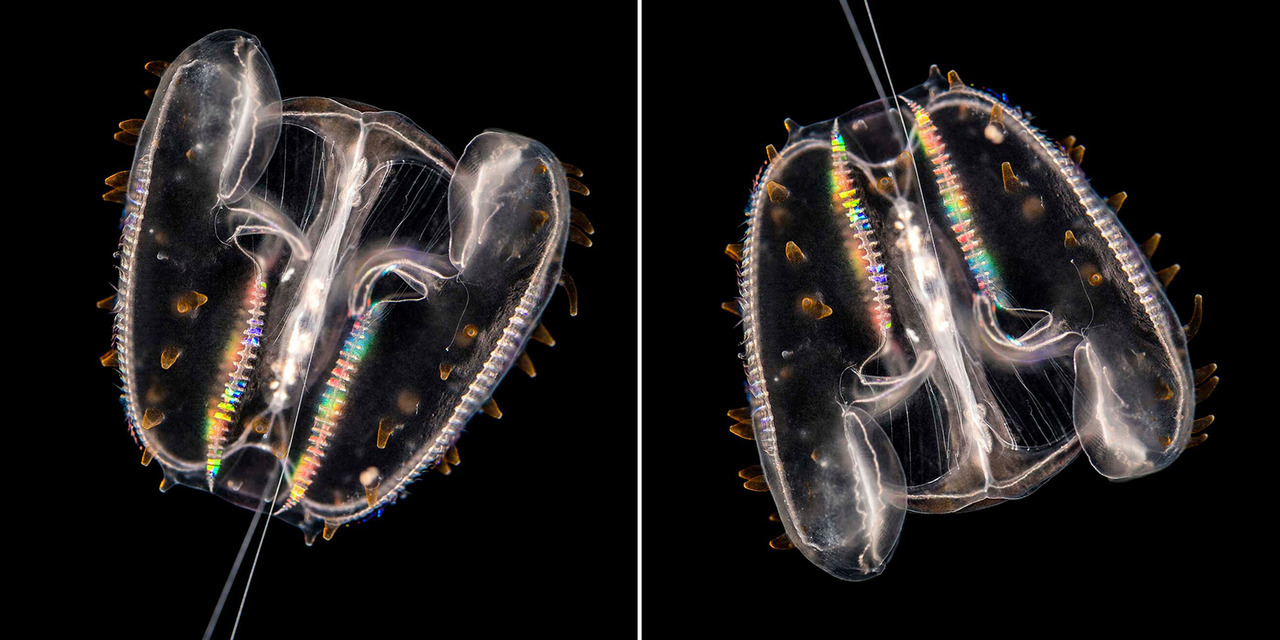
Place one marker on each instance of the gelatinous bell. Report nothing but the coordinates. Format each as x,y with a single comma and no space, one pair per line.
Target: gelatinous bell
312,261
919,335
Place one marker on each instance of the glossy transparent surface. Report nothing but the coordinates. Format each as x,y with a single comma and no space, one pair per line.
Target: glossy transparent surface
939,314
315,296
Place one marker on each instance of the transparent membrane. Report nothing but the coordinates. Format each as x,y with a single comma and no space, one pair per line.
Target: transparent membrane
939,315
316,295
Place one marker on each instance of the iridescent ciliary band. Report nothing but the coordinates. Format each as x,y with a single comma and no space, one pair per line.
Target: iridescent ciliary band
956,203
332,404
222,413
862,245
130,228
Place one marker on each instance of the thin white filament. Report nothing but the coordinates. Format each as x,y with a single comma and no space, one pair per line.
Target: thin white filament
274,495
235,569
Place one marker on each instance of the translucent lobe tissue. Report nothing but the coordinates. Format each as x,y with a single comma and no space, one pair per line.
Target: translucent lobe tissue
315,296
939,314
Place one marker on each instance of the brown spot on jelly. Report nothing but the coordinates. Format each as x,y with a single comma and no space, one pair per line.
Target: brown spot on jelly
407,400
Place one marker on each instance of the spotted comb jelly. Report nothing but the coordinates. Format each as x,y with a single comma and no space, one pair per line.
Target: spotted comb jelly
315,296
939,314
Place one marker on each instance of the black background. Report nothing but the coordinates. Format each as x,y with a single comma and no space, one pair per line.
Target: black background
535,530
1153,97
